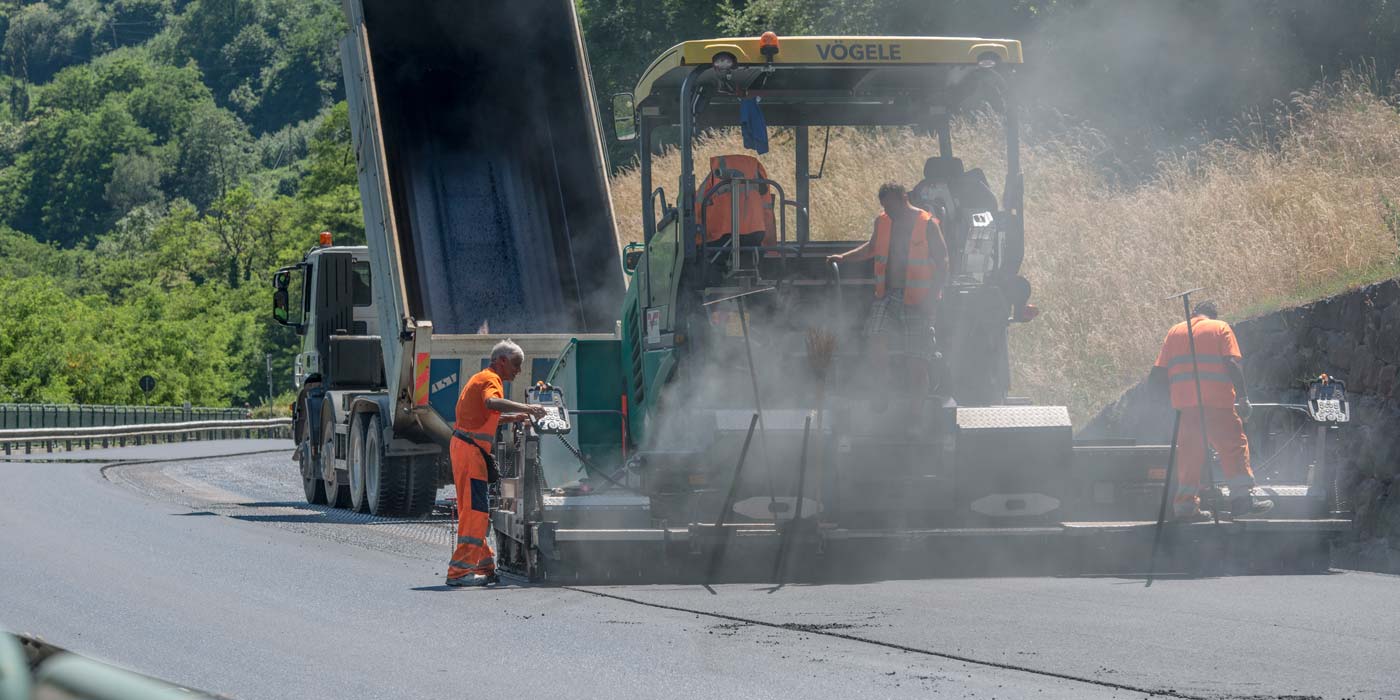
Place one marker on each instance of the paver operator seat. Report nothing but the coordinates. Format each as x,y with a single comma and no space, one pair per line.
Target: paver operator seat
953,196
727,179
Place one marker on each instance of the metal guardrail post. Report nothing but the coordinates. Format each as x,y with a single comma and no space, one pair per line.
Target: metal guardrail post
77,677
14,670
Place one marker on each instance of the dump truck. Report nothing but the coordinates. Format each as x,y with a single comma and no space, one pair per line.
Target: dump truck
487,214
734,423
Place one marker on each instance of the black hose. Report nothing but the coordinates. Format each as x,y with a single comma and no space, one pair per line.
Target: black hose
588,465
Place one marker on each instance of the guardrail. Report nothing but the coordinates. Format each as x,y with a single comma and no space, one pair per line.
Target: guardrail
49,415
122,435
57,673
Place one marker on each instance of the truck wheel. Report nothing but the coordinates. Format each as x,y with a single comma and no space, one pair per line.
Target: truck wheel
310,476
422,485
355,456
386,485
337,493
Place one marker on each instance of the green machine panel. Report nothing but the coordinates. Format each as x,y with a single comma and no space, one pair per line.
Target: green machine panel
590,373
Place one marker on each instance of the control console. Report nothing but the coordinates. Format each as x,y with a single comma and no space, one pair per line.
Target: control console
556,418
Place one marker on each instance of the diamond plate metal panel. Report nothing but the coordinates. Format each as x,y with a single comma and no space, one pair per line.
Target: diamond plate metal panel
1005,417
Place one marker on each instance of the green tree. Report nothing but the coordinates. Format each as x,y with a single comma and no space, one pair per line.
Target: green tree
64,174
214,155
134,22
135,182
35,44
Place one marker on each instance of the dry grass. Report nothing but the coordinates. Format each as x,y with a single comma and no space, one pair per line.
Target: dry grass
1253,219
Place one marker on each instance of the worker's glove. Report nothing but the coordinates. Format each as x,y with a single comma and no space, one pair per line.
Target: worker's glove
1244,409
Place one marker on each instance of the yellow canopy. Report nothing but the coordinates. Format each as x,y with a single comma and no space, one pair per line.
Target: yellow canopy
836,52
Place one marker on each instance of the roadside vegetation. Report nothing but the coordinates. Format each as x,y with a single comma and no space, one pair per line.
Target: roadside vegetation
160,158
157,160
1299,204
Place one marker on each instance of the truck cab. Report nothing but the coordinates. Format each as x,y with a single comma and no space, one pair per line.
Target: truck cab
301,301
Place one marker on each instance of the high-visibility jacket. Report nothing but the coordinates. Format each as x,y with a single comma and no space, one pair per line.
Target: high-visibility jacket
919,270
473,417
755,201
1215,347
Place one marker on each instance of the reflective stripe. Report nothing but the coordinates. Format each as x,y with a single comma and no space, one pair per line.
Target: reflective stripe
1205,377
464,539
918,284
464,436
486,563
1200,359
420,380
881,259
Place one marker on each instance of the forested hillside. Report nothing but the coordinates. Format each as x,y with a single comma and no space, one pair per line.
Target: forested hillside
159,158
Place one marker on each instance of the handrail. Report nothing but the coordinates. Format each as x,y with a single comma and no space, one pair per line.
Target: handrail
734,245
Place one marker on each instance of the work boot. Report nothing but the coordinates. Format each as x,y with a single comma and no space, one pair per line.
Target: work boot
472,580
1248,504
1193,516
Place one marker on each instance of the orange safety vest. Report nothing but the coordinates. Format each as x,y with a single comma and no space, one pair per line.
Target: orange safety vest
918,272
1215,347
755,201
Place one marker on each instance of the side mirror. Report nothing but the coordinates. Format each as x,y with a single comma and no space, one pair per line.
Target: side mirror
279,306
624,117
282,310
632,257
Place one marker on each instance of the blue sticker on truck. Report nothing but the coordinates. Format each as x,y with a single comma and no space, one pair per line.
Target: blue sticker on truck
444,385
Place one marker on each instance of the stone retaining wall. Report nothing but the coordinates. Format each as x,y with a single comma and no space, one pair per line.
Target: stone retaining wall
1353,336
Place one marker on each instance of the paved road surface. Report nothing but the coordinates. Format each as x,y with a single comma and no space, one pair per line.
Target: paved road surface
210,572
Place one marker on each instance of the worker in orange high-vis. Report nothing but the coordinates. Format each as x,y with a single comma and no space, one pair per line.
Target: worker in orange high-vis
911,261
1224,400
481,406
732,177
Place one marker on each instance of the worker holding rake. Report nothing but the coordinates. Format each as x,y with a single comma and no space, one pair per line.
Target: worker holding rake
1212,398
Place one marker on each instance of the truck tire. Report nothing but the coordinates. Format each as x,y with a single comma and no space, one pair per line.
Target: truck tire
355,457
386,483
310,474
337,492
422,485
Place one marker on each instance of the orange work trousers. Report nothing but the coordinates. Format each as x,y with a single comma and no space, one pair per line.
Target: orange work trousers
473,552
1225,432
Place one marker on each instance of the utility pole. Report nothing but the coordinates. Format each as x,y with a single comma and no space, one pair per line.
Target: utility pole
268,358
